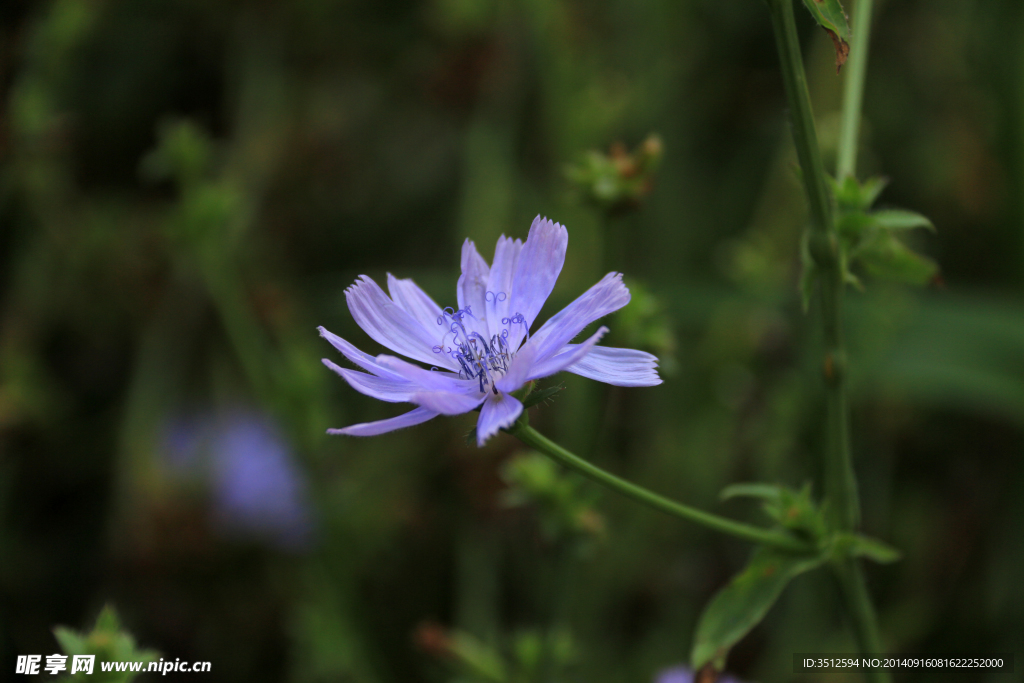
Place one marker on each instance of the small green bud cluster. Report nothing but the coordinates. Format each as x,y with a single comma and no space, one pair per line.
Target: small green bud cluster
618,181
868,240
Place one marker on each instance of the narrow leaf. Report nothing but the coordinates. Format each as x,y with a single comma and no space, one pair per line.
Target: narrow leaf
742,604
871,548
830,16
770,492
899,219
536,397
870,189
887,257
847,192
71,643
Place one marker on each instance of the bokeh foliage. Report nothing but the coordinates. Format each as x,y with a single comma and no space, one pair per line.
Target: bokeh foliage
188,187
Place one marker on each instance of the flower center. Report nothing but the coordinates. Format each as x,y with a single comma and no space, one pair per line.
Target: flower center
485,360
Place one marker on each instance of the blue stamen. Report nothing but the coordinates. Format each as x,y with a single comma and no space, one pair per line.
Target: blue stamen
479,358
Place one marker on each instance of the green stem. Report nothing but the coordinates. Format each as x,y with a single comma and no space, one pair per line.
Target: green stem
840,484
853,90
858,604
531,437
805,136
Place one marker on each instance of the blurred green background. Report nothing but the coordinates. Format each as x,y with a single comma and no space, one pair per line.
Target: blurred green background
188,187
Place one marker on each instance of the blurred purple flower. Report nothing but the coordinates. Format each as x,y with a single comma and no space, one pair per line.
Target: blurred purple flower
684,674
257,487
483,350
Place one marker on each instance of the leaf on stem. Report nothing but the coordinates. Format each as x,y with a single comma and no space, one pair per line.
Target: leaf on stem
887,258
767,492
901,219
868,239
830,16
794,510
535,397
855,545
744,602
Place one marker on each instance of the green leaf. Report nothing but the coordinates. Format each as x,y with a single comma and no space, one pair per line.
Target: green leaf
846,192
742,604
480,660
107,621
71,643
900,219
852,195
830,16
870,189
851,225
886,257
109,642
769,492
536,397
862,546
794,510
848,275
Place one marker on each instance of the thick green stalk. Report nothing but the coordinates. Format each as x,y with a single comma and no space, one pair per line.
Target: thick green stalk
805,136
853,90
840,482
776,539
858,603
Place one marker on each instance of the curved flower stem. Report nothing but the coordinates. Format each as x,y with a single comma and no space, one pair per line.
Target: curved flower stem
840,482
776,539
853,90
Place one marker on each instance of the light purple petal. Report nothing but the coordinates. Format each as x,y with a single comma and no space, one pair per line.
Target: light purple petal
518,370
679,674
497,412
447,402
363,360
606,296
413,417
472,289
540,261
391,325
621,367
384,389
499,285
427,380
417,303
684,674
572,354
259,488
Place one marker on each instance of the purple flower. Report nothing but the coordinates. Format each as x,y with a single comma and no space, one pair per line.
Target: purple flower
679,674
483,351
684,674
258,489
